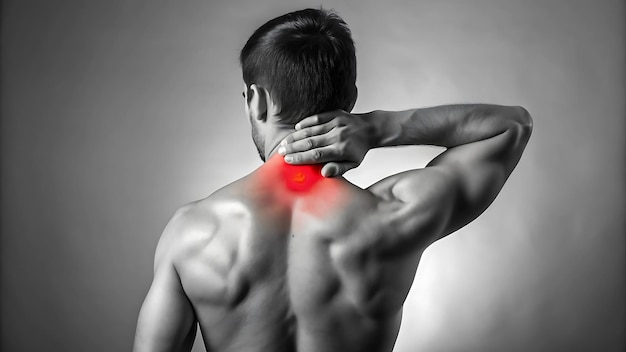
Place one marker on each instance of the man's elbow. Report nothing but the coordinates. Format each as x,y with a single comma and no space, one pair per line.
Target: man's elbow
525,122
520,127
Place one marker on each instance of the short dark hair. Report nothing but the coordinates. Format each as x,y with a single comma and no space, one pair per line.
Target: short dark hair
306,60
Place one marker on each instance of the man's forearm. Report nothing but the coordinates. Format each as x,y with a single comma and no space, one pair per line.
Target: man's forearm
447,126
341,140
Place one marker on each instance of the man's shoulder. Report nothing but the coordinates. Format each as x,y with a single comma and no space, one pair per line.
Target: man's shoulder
196,225
192,218
205,214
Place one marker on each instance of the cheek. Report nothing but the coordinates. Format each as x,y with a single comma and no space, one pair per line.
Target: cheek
259,140
253,129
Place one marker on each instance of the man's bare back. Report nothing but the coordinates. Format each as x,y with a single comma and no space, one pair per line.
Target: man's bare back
295,258
271,268
287,260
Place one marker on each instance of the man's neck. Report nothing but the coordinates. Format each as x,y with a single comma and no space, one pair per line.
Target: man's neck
297,178
273,141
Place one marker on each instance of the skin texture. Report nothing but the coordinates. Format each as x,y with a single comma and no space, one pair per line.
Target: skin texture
286,260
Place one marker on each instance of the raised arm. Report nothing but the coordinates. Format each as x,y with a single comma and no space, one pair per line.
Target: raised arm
484,143
166,320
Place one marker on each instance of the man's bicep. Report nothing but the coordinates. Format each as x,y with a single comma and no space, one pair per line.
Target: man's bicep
166,320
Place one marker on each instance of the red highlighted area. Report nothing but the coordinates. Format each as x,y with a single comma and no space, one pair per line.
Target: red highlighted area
281,184
301,178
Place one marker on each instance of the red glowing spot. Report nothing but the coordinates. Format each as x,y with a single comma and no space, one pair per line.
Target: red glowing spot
301,178
300,188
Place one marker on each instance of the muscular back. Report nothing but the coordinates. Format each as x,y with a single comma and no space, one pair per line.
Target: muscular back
284,260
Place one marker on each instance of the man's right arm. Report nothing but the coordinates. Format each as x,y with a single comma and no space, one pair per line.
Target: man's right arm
484,144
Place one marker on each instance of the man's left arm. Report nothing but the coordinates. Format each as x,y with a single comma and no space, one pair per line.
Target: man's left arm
166,321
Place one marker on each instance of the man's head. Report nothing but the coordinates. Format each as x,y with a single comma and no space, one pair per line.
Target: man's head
298,64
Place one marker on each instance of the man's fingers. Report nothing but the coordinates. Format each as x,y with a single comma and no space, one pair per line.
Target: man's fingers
307,132
337,169
303,145
314,156
316,120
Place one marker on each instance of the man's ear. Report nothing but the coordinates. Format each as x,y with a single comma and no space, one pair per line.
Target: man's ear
256,99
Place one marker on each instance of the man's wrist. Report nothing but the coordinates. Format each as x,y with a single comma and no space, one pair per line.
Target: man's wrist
384,128
372,121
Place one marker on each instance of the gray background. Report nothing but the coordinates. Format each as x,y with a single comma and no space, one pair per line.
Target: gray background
115,113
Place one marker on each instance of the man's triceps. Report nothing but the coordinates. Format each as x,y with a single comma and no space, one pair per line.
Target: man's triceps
166,320
417,207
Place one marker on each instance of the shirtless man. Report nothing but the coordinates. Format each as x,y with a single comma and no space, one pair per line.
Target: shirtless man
286,259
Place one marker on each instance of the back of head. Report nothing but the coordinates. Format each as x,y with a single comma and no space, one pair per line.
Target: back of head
306,60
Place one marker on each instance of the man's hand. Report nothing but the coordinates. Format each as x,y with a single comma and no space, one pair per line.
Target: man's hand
336,138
